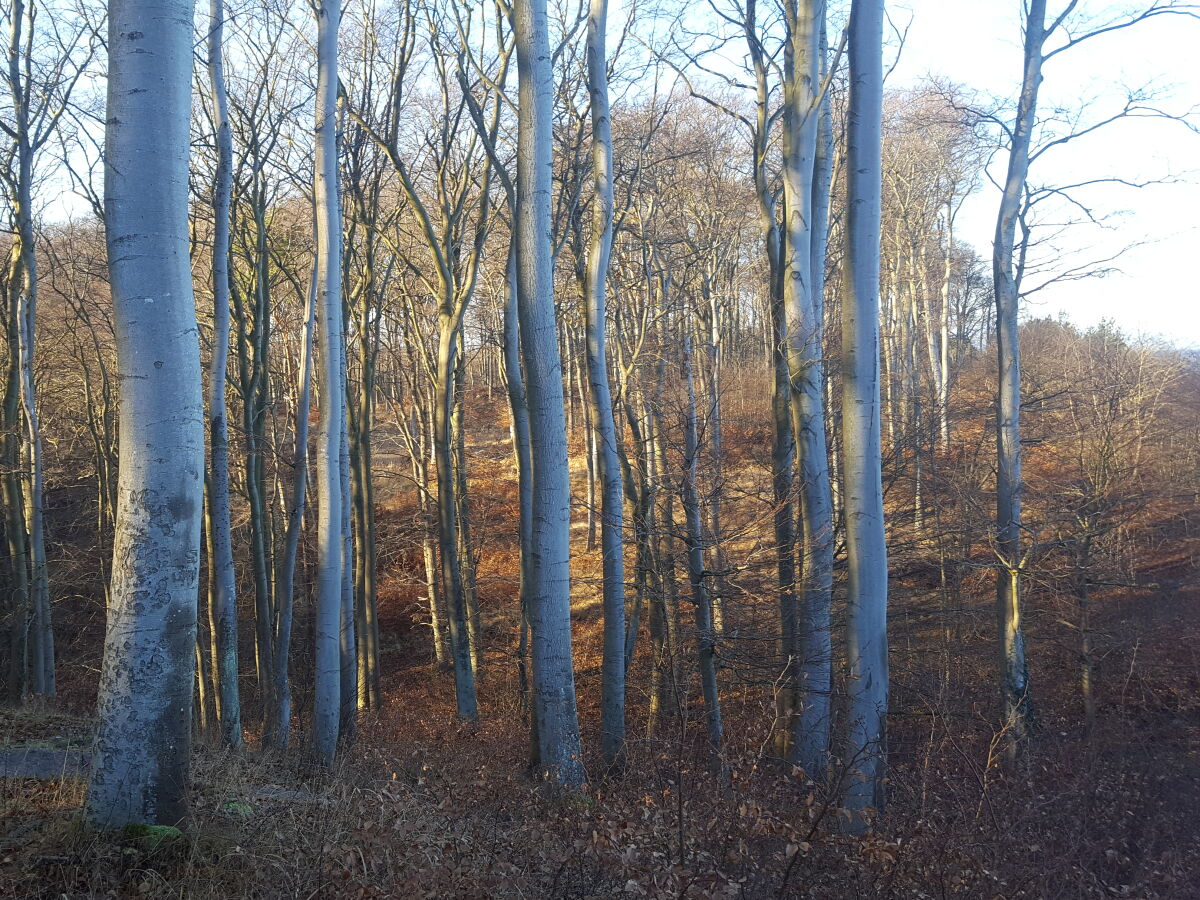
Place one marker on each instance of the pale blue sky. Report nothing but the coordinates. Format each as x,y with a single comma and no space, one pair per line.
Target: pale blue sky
977,44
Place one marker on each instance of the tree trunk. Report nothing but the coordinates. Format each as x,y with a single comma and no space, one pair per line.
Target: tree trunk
140,762
783,444
943,383
15,533
806,375
222,577
466,551
330,543
42,645
866,549
550,573
705,635
612,689
363,500
1014,673
347,637
466,703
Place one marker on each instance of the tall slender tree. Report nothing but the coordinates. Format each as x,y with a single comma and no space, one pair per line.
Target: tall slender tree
330,539
1014,671
612,702
222,577
1010,261
866,547
550,563
806,375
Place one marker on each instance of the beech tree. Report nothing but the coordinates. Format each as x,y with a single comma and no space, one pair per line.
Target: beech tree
222,578
612,510
140,761
331,373
685,356
1046,36
560,754
866,548
803,98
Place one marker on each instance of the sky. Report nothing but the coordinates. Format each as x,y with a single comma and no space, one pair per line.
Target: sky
1155,293
976,43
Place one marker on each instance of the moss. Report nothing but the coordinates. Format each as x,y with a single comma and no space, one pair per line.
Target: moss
239,809
152,837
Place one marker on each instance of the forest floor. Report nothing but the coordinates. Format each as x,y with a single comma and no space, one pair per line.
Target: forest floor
422,806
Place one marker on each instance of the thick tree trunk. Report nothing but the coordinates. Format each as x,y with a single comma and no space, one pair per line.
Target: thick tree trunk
550,572
866,549
140,762
806,374
783,468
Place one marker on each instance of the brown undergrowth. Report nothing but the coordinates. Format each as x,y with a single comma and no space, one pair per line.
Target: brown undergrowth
422,806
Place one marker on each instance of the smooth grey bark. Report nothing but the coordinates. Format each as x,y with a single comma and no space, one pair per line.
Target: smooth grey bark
140,763
866,547
550,567
823,182
330,540
806,375
612,686
222,577
1014,672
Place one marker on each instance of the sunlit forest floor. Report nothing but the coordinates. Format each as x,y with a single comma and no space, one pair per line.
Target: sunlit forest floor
421,806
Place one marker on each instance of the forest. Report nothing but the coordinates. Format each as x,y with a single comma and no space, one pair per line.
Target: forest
554,448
